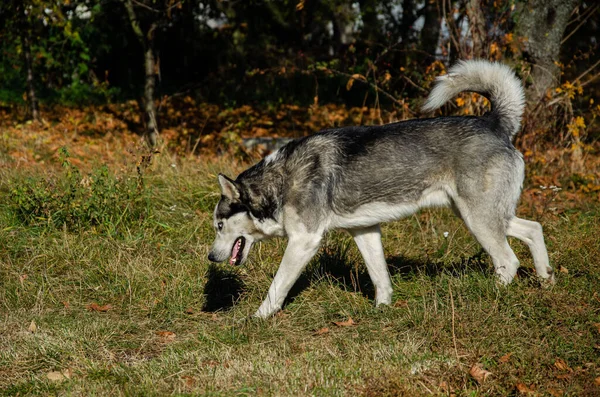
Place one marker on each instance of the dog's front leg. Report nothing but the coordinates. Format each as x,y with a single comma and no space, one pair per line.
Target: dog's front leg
368,240
300,249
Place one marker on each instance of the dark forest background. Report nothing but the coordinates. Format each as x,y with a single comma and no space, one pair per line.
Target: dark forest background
378,54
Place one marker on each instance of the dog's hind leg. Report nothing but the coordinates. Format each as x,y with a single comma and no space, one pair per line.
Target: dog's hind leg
531,234
369,244
490,231
300,249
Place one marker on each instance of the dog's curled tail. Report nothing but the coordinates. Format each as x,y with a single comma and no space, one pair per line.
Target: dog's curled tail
495,81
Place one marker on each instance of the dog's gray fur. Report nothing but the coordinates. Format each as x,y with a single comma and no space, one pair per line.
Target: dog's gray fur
358,177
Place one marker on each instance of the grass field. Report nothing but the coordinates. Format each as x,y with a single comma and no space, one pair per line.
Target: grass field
114,295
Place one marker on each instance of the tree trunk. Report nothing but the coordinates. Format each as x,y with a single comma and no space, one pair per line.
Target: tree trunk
430,33
542,24
26,44
477,27
151,125
147,42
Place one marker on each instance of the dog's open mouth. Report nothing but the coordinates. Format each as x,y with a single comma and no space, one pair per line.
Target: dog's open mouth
237,251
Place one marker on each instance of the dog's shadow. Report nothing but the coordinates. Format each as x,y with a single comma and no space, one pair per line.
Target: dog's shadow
353,275
222,289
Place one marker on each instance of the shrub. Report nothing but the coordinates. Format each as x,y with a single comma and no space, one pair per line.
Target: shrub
98,200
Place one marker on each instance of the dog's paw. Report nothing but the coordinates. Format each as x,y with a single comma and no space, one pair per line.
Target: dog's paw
550,281
503,279
266,311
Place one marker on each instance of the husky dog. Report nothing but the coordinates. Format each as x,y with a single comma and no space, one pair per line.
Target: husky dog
355,178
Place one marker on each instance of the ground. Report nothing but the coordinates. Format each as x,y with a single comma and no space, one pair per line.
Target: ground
107,290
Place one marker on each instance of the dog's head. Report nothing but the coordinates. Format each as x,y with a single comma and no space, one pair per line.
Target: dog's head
233,223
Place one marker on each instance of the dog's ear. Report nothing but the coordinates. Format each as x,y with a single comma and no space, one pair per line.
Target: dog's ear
228,188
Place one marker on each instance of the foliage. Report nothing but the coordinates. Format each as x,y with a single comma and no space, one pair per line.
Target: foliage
98,200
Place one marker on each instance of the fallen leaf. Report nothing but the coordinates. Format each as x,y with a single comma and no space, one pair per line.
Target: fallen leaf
401,303
66,304
597,381
523,388
563,269
189,310
32,327
444,387
349,84
322,331
505,358
190,381
478,373
22,278
562,365
347,323
94,307
167,335
597,325
556,392
56,376
563,376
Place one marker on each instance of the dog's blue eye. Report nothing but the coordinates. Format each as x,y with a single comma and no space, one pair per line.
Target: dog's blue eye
220,226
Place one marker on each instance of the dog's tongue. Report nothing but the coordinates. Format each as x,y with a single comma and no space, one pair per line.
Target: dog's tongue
235,252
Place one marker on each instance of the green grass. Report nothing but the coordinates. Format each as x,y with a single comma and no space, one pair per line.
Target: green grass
154,273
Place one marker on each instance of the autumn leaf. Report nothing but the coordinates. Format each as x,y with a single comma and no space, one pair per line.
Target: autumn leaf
94,307
349,84
562,365
505,358
522,388
57,376
322,331
347,323
555,392
401,303
189,310
563,269
32,327
478,373
166,335
597,381
189,381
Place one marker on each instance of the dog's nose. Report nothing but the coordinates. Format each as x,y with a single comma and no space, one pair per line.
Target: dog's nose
211,257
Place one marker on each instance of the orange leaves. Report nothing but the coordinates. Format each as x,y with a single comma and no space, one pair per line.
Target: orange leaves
562,365
401,303
94,307
505,358
355,76
522,388
321,331
479,373
347,323
166,336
